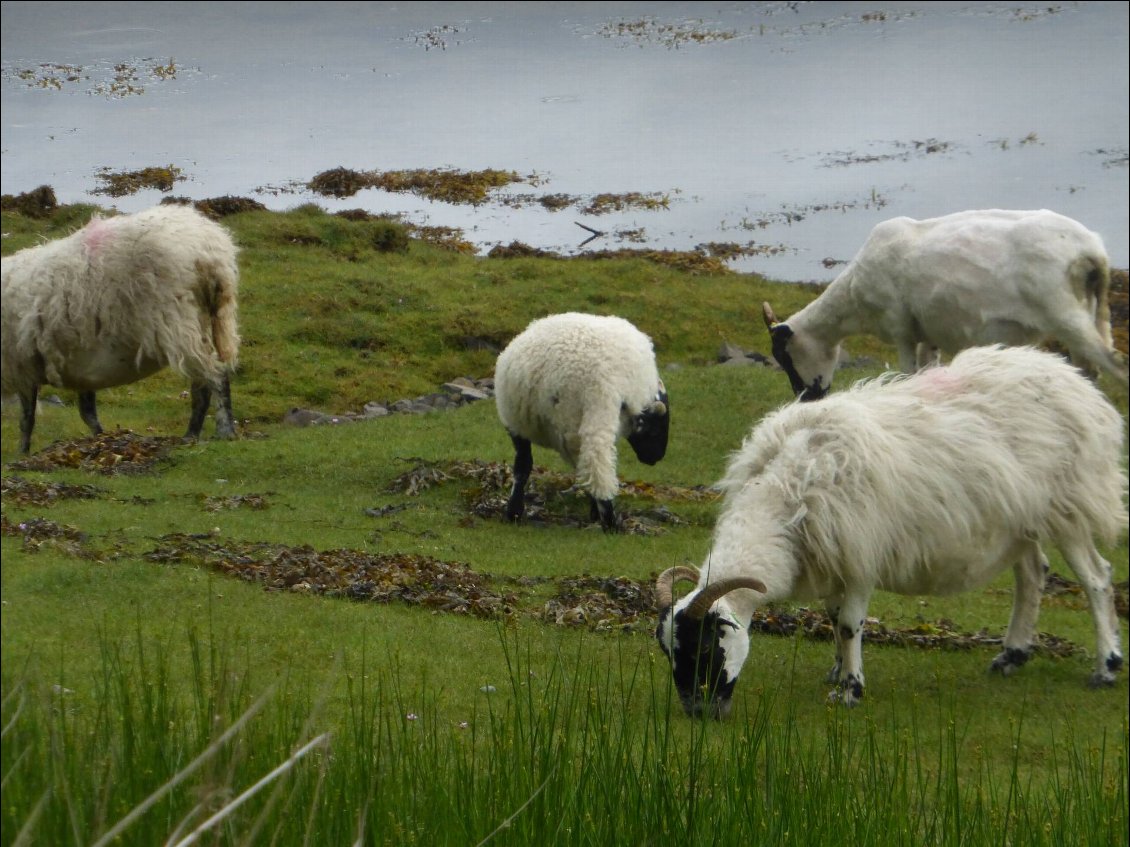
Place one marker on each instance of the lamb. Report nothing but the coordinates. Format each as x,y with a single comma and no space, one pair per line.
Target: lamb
577,383
924,484
117,301
963,280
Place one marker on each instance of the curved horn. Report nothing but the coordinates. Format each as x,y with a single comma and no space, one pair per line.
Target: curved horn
716,590
657,408
767,313
665,584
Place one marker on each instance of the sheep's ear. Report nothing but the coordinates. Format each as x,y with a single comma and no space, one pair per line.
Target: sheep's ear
770,318
658,404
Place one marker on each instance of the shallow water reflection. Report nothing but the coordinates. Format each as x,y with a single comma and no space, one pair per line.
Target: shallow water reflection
786,129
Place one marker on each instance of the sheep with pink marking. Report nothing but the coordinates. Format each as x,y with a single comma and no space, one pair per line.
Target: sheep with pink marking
928,484
117,301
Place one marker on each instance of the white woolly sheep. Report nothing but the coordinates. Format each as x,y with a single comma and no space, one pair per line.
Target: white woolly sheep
577,383
926,484
117,301
963,280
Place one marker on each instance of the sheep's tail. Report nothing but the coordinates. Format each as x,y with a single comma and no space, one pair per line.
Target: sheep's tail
219,281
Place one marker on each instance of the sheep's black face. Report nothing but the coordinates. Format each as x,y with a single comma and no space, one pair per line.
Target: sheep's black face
650,429
817,377
706,656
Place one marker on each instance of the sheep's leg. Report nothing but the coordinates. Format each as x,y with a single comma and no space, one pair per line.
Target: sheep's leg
28,399
595,449
849,623
1030,571
1094,575
225,420
88,411
925,355
1087,349
201,399
603,511
523,464
832,604
908,356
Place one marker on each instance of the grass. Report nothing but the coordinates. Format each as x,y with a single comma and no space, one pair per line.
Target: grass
430,727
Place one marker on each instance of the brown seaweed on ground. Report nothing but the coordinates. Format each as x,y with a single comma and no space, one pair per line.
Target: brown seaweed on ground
119,451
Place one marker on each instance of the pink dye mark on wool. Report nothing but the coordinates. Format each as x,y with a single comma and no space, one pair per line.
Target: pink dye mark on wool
96,235
938,382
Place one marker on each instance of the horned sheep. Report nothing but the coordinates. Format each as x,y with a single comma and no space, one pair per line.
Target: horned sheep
577,383
962,280
117,301
929,484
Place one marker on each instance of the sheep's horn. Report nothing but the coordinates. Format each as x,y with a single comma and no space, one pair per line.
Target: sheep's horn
716,590
658,409
770,318
665,585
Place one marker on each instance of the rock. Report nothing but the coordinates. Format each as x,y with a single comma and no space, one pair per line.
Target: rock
375,410
452,395
728,352
300,417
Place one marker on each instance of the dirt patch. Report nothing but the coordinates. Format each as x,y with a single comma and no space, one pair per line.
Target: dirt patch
116,452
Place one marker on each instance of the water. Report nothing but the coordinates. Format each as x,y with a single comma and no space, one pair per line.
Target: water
792,126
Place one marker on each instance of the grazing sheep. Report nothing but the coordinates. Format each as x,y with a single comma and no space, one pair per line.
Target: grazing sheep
117,301
925,484
963,280
577,383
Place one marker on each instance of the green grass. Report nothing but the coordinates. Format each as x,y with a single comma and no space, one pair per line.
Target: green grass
118,672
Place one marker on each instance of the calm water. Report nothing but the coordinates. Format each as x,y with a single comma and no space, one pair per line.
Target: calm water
794,126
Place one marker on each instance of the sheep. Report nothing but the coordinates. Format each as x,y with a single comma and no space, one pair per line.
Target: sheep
577,383
963,280
117,301
925,484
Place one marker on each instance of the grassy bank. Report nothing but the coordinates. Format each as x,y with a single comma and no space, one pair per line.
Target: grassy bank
146,615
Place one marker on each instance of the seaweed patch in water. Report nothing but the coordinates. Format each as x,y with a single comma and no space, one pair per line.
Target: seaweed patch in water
446,185
673,36
122,183
115,81
602,204
904,151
